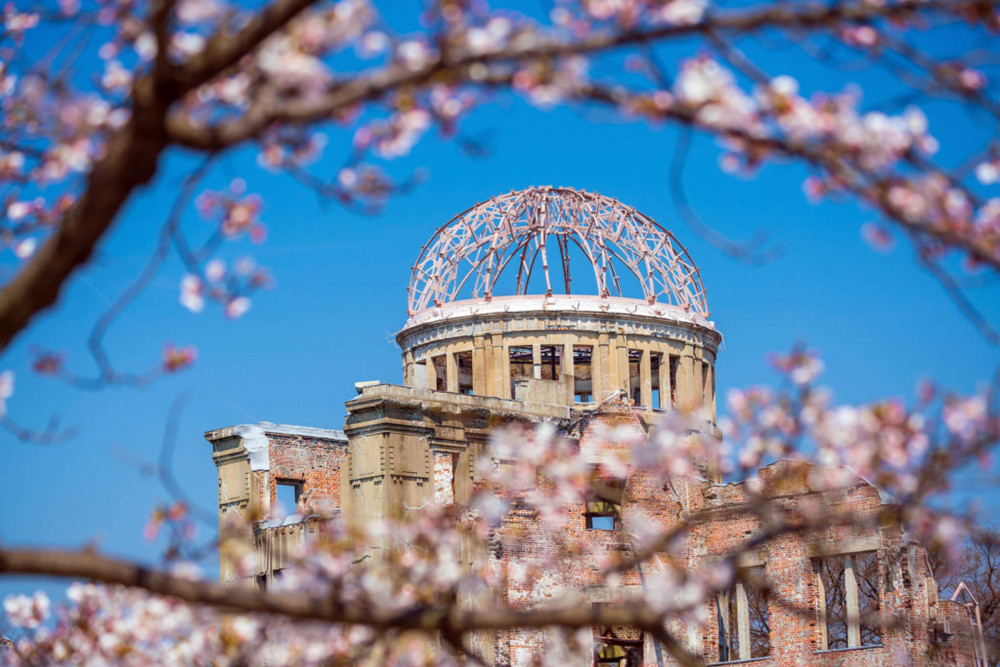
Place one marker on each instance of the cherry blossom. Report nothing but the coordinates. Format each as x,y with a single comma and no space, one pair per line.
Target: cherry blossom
176,358
200,81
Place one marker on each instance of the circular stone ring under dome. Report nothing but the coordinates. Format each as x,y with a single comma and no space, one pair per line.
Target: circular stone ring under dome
520,231
470,333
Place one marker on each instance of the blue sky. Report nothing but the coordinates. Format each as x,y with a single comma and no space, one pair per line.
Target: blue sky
880,323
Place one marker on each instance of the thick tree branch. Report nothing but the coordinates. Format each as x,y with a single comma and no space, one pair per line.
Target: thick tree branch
131,161
372,85
453,619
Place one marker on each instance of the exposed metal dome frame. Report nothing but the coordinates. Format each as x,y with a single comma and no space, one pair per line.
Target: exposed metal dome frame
482,241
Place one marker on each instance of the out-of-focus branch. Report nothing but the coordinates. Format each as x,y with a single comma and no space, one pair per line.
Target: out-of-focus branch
106,371
50,435
131,159
453,619
375,83
753,252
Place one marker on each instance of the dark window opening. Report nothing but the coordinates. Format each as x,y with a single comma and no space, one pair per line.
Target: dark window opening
744,607
551,359
866,571
849,600
831,571
583,373
618,646
603,509
634,381
521,365
287,494
463,364
440,373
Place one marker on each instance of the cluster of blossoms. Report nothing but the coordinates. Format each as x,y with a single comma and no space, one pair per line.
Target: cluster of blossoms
870,153
234,211
886,442
630,14
27,612
113,625
229,287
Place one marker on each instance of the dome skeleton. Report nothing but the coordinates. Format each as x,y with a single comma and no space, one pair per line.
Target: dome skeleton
515,228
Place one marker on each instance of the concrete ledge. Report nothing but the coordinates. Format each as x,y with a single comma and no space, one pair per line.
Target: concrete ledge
271,428
445,401
847,545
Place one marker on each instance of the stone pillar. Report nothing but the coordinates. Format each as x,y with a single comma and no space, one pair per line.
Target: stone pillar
710,390
851,595
665,380
686,386
600,369
452,370
569,371
479,365
619,368
645,380
499,380
743,621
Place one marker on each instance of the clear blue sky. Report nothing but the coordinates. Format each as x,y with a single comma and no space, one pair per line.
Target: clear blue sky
880,322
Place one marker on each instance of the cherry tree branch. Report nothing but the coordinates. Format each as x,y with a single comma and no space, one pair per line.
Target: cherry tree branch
454,620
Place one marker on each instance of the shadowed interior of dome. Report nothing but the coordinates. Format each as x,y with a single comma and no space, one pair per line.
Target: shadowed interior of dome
546,240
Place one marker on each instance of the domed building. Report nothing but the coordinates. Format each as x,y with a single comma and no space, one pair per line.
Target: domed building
560,305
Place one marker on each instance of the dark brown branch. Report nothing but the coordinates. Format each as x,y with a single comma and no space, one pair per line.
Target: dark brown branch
451,619
374,84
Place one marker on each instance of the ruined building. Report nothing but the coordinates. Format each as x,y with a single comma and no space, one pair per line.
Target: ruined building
497,333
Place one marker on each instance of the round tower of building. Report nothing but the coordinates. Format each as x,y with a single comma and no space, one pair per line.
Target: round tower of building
560,296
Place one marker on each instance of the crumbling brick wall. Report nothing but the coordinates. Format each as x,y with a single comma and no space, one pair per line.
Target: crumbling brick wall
314,461
788,563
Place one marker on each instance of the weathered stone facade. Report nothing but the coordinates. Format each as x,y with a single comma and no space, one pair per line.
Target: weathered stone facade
588,363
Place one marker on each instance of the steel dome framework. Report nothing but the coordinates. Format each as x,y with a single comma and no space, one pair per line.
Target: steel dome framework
519,230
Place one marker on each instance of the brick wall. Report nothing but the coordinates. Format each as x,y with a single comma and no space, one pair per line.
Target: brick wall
787,561
316,462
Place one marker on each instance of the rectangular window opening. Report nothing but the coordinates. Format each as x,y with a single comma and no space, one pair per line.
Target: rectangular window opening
743,619
440,372
849,600
603,509
463,364
618,646
551,361
634,382
866,570
521,365
287,494
583,380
